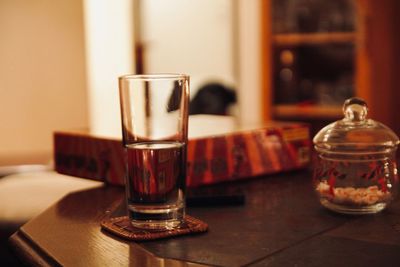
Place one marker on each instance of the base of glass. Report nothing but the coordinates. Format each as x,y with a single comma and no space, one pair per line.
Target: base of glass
354,210
156,217
156,225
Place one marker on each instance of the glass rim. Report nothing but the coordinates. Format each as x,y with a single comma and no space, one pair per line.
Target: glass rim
155,76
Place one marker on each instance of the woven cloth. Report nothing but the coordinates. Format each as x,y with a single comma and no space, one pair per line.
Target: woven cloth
122,227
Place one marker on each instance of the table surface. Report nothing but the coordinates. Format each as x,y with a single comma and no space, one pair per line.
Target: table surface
281,224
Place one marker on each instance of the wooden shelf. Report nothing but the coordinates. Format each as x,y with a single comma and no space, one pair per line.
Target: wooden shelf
313,38
376,61
313,112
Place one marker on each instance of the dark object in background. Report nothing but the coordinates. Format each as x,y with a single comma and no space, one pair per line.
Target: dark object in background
212,98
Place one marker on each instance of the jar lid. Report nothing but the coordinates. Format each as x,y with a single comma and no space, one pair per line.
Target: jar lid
355,133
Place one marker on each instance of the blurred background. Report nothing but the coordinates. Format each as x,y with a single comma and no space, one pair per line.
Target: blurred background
294,60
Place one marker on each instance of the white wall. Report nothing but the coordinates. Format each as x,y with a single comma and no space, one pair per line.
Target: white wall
250,87
43,72
109,54
42,76
190,36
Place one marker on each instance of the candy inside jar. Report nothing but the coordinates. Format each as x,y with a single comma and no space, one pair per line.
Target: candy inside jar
363,184
356,171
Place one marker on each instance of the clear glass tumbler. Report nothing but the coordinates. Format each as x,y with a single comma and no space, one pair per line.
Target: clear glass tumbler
154,112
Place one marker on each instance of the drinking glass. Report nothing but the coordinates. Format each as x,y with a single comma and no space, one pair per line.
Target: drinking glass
154,113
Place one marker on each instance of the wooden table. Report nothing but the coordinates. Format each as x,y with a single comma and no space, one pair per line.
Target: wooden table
281,224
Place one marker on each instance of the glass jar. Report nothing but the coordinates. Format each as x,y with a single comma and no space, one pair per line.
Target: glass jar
355,171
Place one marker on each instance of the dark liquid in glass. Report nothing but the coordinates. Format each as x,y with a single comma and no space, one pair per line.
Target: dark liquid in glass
156,180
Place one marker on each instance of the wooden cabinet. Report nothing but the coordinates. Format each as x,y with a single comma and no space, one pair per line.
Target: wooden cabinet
312,64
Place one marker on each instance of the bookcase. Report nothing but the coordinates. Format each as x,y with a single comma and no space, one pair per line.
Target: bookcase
318,53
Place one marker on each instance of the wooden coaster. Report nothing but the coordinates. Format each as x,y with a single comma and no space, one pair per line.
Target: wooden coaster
122,227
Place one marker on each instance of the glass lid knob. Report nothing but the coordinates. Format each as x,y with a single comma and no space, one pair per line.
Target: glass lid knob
355,109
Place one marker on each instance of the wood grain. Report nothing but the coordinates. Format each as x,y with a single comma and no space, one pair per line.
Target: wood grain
280,218
291,39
